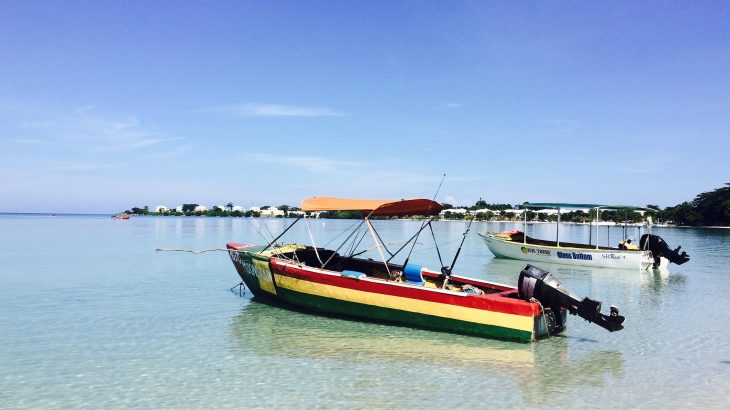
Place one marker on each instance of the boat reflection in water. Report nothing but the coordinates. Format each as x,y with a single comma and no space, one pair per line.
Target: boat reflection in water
281,333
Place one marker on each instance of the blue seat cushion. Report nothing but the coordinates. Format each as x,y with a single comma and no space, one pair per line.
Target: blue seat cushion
352,274
414,274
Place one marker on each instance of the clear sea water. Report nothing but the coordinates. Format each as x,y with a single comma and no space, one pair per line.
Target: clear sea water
92,317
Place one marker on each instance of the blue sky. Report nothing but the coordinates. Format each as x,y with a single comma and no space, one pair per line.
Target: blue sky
109,105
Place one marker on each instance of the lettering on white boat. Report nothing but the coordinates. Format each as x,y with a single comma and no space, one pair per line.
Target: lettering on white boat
526,250
612,256
575,255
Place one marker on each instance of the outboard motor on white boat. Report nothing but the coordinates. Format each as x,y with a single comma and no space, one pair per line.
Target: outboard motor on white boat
543,286
659,248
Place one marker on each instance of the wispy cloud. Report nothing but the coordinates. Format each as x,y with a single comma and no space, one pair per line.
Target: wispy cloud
87,129
25,141
558,127
45,167
450,106
275,110
62,166
308,163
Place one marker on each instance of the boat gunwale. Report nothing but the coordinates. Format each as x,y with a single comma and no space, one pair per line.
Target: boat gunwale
333,273
491,235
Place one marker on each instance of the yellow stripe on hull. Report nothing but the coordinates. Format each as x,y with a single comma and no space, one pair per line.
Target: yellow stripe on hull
506,320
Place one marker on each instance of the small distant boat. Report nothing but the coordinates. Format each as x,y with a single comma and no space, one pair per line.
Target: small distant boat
121,216
651,252
327,281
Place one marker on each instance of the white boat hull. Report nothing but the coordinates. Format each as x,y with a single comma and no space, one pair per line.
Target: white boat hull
597,258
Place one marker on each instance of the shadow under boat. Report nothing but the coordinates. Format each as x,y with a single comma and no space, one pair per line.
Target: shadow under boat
371,334
275,329
279,331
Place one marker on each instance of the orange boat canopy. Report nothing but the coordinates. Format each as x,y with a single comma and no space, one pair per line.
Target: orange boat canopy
378,207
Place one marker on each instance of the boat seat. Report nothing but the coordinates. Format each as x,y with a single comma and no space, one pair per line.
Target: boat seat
352,274
628,245
414,274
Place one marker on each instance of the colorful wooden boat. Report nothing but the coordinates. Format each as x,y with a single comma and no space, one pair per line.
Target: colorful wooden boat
326,281
651,252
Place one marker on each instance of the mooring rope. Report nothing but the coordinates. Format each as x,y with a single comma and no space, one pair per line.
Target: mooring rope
196,252
274,252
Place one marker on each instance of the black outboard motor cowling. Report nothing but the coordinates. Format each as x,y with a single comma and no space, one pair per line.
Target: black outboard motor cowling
659,248
541,285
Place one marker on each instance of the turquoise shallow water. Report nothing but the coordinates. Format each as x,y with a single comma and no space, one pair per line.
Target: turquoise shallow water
91,316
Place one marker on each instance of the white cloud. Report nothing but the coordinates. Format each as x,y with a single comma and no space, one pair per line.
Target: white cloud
309,163
276,110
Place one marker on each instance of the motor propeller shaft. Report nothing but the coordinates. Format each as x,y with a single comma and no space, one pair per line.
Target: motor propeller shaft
659,248
543,286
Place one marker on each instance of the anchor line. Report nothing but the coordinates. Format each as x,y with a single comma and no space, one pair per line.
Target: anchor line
241,288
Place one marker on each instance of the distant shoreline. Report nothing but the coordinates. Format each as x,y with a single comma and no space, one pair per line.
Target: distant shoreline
54,214
109,215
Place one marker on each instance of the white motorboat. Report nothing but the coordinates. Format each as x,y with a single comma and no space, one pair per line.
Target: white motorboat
651,252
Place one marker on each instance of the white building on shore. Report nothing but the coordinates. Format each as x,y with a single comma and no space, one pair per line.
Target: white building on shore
271,212
461,211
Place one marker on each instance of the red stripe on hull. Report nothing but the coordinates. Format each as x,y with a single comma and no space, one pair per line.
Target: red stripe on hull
495,302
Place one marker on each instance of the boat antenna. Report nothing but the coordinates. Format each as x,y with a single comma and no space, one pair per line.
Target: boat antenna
258,231
446,270
282,234
423,224
436,244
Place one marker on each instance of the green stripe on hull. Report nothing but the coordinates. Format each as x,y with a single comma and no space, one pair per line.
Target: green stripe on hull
341,307
249,278
253,285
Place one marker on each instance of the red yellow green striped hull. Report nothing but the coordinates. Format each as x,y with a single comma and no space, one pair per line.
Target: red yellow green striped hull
495,315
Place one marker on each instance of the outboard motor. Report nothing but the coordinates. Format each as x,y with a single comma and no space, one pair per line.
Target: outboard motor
659,248
541,285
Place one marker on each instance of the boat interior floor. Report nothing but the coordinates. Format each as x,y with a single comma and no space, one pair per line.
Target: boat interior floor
541,242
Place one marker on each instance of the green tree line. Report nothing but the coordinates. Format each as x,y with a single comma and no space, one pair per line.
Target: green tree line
707,209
